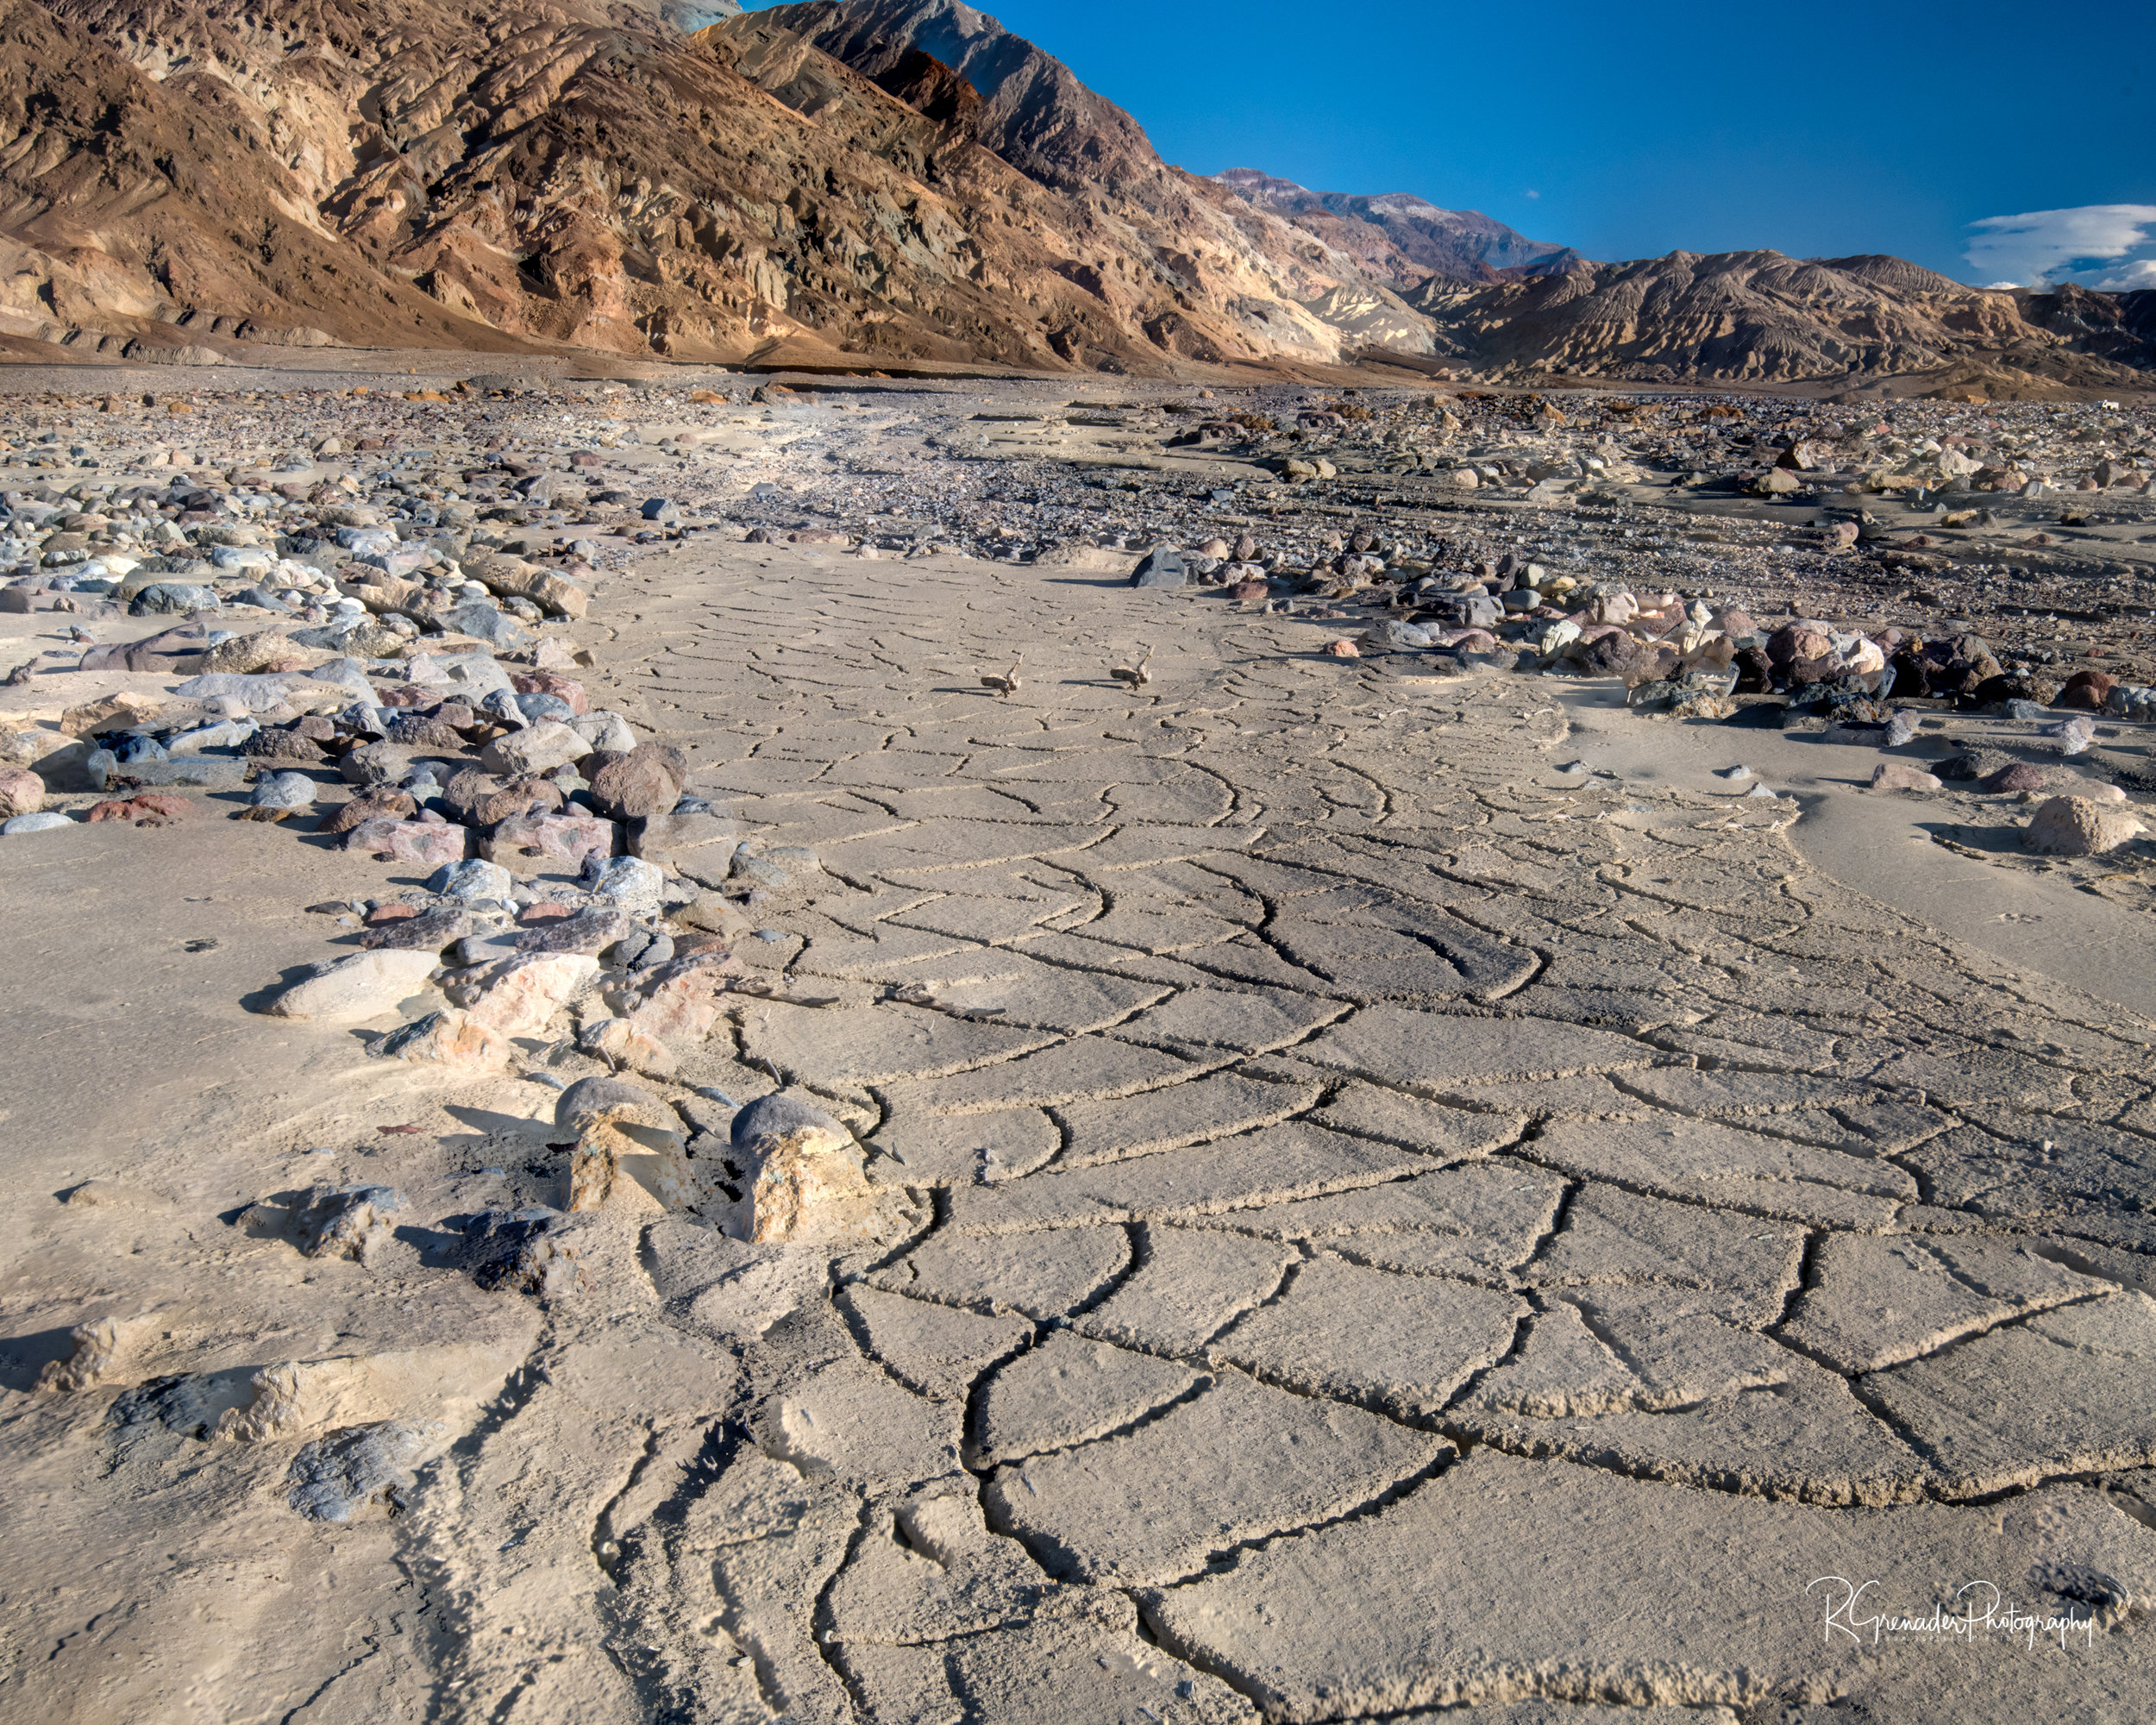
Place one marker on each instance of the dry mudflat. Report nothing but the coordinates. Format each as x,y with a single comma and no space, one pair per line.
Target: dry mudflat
1331,1191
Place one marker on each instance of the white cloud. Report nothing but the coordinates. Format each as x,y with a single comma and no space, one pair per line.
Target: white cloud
2051,245
2140,273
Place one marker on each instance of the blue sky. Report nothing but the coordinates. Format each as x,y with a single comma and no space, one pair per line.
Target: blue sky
1819,130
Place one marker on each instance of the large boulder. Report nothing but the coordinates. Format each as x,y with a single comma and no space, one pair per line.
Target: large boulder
518,996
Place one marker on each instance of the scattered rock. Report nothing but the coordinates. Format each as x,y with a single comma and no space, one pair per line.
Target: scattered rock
284,791
2075,826
427,845
630,1148
22,791
645,782
1163,566
350,990
45,821
805,1182
1899,775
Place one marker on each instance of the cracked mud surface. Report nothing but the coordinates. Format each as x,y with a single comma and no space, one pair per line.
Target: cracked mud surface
1410,1229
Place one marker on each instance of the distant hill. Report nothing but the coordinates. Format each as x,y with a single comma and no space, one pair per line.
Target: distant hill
1761,317
1399,238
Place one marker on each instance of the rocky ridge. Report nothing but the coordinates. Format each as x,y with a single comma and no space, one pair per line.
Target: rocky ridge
1401,239
1762,317
588,176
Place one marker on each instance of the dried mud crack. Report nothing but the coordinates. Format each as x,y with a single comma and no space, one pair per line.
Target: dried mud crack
1267,1192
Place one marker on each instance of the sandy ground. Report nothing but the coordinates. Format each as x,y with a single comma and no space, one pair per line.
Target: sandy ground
1887,845
1398,1226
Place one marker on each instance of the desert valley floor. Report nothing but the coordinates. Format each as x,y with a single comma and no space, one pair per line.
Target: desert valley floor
1304,1184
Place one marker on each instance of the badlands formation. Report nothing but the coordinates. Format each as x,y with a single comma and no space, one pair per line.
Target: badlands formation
918,1052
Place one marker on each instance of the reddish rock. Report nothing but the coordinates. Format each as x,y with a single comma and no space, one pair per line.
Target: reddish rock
425,844
451,1038
148,809
1611,652
1791,646
2085,692
22,791
645,781
1341,649
2023,776
518,996
679,1001
532,915
382,913
551,683
550,844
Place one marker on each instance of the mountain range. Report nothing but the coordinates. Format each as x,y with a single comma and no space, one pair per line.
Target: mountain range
838,182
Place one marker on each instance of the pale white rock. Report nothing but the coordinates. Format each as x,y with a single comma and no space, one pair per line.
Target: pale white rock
540,748
363,986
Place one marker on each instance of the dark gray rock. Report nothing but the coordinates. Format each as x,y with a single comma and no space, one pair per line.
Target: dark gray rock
1162,566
